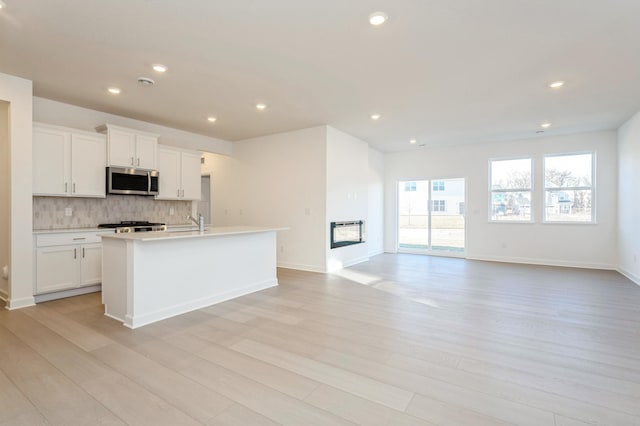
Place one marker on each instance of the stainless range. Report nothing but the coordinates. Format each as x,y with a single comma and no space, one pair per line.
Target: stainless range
134,226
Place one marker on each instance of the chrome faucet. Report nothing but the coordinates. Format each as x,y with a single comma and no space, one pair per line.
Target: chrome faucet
199,221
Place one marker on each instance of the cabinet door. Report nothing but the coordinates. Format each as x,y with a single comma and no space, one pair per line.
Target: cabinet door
56,268
121,148
146,147
88,162
191,181
169,179
51,167
90,264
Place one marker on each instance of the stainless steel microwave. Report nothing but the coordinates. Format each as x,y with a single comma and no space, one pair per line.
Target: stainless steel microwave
121,180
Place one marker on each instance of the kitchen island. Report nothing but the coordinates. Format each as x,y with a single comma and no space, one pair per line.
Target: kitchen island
150,276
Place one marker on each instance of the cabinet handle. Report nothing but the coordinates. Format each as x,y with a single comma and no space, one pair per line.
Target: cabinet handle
65,187
83,252
75,253
178,194
138,162
79,238
132,161
74,187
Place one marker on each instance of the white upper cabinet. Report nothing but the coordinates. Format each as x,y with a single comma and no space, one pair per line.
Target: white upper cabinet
68,162
179,174
130,148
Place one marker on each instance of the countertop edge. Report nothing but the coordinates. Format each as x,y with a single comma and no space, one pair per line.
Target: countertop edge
208,233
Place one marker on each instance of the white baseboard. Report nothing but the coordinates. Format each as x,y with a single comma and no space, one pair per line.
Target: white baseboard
20,303
67,293
171,311
376,252
355,261
301,267
633,277
545,262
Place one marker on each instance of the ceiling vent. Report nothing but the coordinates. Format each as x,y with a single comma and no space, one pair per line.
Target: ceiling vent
145,81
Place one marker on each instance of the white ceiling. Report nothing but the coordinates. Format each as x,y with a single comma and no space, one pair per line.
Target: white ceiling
440,71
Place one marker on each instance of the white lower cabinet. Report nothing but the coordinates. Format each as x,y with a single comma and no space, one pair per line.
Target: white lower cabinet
67,261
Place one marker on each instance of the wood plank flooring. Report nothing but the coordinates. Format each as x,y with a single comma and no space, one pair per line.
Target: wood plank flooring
398,340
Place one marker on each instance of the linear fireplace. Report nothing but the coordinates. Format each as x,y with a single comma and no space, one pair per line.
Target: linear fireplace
347,233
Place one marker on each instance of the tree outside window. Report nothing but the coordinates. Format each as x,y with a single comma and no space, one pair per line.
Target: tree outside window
510,188
569,188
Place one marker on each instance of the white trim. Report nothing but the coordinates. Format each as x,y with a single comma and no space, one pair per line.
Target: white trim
300,267
376,252
171,311
545,262
67,293
633,277
355,261
20,303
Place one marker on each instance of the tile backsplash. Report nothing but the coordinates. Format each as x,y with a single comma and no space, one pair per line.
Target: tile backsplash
49,212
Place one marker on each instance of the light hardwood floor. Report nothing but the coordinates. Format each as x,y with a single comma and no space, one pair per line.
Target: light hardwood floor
399,340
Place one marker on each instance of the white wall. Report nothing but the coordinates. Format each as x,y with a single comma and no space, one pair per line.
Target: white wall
58,113
276,180
347,193
375,198
554,244
18,93
629,198
5,222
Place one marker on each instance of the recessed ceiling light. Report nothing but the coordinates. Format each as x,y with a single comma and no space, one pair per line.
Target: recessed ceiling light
261,106
375,116
545,125
114,90
211,119
159,68
413,141
378,18
2,4
556,84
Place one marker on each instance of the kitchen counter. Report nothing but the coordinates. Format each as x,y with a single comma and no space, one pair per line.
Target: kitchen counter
150,276
67,230
218,231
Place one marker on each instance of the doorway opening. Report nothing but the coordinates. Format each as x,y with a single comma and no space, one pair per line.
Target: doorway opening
431,216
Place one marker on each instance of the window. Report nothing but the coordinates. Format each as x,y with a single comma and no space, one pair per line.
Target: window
409,186
568,188
510,182
438,206
438,185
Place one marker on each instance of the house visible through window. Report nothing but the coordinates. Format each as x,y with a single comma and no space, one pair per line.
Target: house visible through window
438,206
510,188
438,185
410,186
569,188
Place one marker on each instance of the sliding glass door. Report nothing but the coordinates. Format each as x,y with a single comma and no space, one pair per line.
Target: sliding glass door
431,216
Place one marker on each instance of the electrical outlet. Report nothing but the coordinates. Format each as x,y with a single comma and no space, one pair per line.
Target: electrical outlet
172,211
68,211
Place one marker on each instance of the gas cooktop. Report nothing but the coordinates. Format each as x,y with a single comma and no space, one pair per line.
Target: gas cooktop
134,226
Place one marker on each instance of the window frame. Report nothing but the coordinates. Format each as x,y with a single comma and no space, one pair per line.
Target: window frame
530,190
591,188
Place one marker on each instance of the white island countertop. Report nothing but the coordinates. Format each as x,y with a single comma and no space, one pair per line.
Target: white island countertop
210,231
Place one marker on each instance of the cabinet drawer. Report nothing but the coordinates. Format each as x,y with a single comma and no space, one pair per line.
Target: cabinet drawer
47,240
